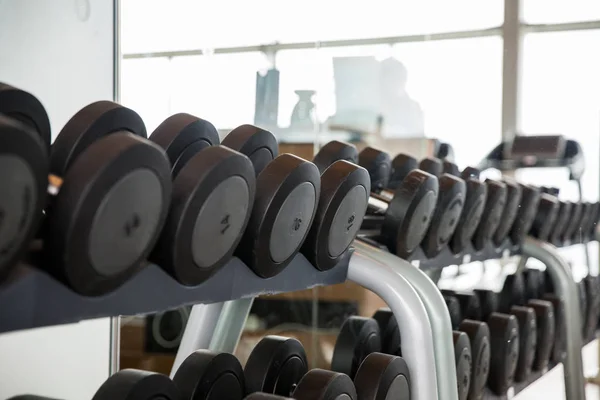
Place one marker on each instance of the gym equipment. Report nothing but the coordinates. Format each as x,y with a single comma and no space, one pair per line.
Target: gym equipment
471,215
573,224
319,384
504,345
205,375
545,217
561,223
453,306
383,376
559,347
469,305
488,301
335,151
258,144
450,168
494,207
432,165
389,331
479,339
510,212
379,166
133,384
530,198
527,341
462,349
402,164
470,172
358,338
544,311
213,192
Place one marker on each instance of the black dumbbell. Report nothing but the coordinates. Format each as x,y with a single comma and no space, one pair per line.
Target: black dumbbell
205,375
527,341
544,311
592,313
383,376
591,233
463,360
470,172
574,223
258,144
535,283
559,345
562,220
545,217
449,167
358,337
530,198
511,209
494,207
432,165
213,192
401,165
389,331
479,339
136,384
335,151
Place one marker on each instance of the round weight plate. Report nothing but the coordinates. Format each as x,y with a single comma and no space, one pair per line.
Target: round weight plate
210,208
276,365
559,347
335,151
108,214
530,198
594,223
24,178
379,166
358,338
586,217
345,189
510,211
471,215
462,354
479,339
488,301
562,220
390,332
258,144
545,217
382,376
593,306
450,202
469,305
319,384
491,218
453,306
527,341
88,125
432,165
470,172
504,344
574,222
545,323
182,136
204,375
402,164
513,293
534,286
450,168
133,384
27,109
409,213
284,207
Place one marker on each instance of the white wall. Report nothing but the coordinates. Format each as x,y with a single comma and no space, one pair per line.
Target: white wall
62,51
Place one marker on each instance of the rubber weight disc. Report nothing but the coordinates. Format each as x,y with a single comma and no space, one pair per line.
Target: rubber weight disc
342,205
559,347
258,144
450,203
479,339
504,344
585,222
382,376
574,222
529,203
470,172
432,165
402,164
488,301
462,354
108,214
24,179
275,366
545,217
562,220
471,216
379,166
593,306
534,283
133,384
453,306
319,384
335,151
410,213
494,208
470,306
450,168
595,217
544,316
510,211
358,338
513,292
287,192
390,332
26,108
88,125
527,341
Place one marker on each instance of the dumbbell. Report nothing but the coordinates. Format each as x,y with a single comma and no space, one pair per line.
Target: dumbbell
358,337
574,223
130,384
591,232
408,215
495,206
511,209
285,204
561,223
530,198
545,321
213,192
590,214
545,217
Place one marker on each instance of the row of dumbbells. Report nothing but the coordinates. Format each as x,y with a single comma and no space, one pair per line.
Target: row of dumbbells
104,200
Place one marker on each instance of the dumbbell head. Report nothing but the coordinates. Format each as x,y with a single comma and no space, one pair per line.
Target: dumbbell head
410,212
488,301
358,338
24,107
383,376
24,179
334,151
588,221
471,215
379,166
574,222
402,164
527,341
432,165
450,168
559,345
510,211
463,359
470,172
544,313
207,375
319,384
275,366
512,293
479,338
504,344
586,216
530,198
389,331
453,306
495,204
450,202
534,283
470,307
286,198
593,306
258,144
562,220
342,204
545,217
135,384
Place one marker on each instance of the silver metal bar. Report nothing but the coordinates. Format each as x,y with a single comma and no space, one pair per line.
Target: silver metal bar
562,27
114,345
198,331
511,69
117,56
405,303
437,312
230,326
566,289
